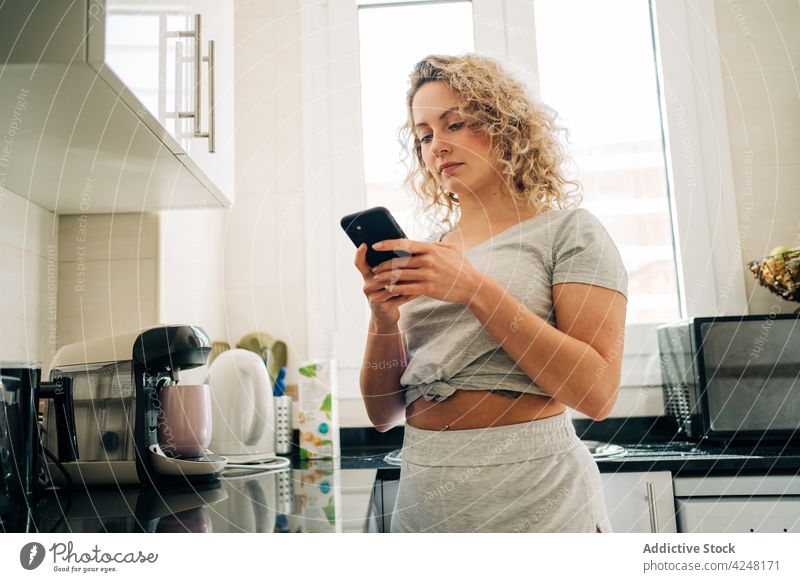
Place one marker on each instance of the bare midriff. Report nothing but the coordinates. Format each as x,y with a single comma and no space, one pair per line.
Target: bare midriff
467,409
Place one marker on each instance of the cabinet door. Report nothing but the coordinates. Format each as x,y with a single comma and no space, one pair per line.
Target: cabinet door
389,492
381,505
740,504
214,153
636,502
357,486
765,513
144,47
640,502
152,46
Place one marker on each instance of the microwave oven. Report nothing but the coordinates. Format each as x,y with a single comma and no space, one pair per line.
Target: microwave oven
733,378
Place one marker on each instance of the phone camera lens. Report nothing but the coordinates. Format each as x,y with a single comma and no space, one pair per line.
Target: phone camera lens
358,227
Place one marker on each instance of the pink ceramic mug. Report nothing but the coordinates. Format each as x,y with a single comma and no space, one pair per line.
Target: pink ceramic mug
195,520
184,426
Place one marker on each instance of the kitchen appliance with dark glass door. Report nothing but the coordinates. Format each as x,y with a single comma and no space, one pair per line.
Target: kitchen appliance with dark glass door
733,378
18,465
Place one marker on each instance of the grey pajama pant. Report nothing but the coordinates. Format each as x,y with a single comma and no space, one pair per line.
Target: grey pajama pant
534,476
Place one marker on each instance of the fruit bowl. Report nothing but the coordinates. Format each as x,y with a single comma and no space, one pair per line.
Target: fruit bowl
780,273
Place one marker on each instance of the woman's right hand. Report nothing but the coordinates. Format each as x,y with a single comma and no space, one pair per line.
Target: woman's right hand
384,305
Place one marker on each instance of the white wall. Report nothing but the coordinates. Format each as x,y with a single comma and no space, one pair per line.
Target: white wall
265,237
29,275
108,275
760,59
123,272
190,269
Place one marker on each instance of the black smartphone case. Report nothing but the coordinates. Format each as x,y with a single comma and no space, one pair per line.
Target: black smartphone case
371,226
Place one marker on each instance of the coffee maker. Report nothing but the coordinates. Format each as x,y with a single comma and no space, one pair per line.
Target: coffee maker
103,429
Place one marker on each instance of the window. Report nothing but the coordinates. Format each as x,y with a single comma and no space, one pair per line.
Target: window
606,96
605,91
413,30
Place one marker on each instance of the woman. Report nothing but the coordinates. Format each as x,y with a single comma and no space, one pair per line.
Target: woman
515,314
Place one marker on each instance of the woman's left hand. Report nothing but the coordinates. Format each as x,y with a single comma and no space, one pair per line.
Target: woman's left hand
438,269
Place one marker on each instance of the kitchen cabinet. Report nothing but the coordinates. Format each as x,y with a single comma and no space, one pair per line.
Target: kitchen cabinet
356,496
738,504
177,60
640,502
381,506
91,88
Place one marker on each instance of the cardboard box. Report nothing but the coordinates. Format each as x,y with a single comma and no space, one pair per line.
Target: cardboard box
318,410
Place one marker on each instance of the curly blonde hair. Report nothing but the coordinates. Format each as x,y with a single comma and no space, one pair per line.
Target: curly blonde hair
522,136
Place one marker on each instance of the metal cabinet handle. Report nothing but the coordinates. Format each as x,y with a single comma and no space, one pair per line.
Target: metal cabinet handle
199,59
651,506
211,99
179,60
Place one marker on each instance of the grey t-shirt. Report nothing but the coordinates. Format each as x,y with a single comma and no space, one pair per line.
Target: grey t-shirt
447,347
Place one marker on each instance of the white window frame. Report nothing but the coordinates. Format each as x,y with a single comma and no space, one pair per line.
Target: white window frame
685,32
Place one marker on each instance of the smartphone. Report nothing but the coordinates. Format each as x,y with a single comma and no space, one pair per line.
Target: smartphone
371,226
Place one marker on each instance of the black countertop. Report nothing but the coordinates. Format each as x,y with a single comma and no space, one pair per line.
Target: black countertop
652,443
325,495
321,497
336,495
